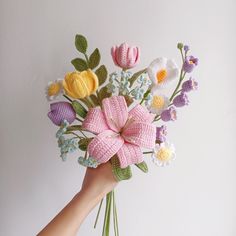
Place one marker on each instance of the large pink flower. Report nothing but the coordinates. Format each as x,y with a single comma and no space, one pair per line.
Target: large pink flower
125,56
119,131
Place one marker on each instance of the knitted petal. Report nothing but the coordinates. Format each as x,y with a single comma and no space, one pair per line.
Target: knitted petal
129,154
131,56
116,112
141,114
122,55
114,54
105,145
95,121
141,134
61,111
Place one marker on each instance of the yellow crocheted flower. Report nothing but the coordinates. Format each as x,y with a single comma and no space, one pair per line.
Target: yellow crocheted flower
54,89
80,84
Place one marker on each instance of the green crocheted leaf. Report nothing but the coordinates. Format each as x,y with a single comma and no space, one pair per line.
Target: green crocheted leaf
83,143
94,59
73,128
103,93
94,99
120,173
101,73
79,109
142,166
135,76
79,64
81,43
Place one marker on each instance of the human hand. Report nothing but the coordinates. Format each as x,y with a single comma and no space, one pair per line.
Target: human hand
99,181
96,184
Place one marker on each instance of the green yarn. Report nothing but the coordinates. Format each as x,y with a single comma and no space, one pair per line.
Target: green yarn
79,64
142,166
101,73
103,93
83,143
79,109
120,173
94,59
81,43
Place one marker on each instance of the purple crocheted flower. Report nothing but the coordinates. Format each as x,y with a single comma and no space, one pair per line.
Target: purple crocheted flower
186,48
190,63
181,100
169,114
61,111
189,85
161,133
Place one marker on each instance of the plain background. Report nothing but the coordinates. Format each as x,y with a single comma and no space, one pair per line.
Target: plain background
196,194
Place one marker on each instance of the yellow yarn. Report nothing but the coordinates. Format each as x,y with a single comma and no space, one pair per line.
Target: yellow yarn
164,154
54,89
157,102
80,84
161,76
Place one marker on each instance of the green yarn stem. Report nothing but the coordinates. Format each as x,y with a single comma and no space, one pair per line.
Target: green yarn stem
115,218
110,209
67,97
99,210
106,224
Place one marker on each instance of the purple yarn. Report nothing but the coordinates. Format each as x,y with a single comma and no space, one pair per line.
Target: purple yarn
61,111
169,114
181,100
161,133
190,63
189,85
186,48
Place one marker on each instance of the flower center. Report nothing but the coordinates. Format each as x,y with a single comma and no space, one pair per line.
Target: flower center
164,154
157,102
54,89
161,75
191,62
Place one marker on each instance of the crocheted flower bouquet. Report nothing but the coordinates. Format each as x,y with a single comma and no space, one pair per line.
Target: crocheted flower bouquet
112,117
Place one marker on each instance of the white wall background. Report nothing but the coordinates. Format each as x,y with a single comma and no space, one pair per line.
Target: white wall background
194,196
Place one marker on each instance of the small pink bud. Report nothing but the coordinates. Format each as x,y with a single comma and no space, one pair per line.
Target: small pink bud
125,56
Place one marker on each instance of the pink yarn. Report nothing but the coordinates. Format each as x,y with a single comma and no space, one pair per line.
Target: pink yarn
119,131
125,56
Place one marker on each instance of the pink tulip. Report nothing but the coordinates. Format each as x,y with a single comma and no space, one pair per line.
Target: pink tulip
125,56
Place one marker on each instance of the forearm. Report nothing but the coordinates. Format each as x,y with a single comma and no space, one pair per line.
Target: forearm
97,183
68,221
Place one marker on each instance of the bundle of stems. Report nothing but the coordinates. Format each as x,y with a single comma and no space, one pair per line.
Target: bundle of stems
110,210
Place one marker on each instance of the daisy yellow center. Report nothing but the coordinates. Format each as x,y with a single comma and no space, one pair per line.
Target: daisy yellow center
191,62
54,89
164,154
157,102
161,75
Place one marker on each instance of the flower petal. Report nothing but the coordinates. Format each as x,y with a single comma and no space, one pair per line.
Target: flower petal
122,54
116,112
129,154
95,121
141,114
156,65
141,134
105,145
114,54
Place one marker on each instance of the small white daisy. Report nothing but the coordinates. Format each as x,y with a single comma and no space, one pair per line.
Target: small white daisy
163,154
54,89
162,71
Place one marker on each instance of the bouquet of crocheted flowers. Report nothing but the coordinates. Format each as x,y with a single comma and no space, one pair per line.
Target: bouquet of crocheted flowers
112,117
